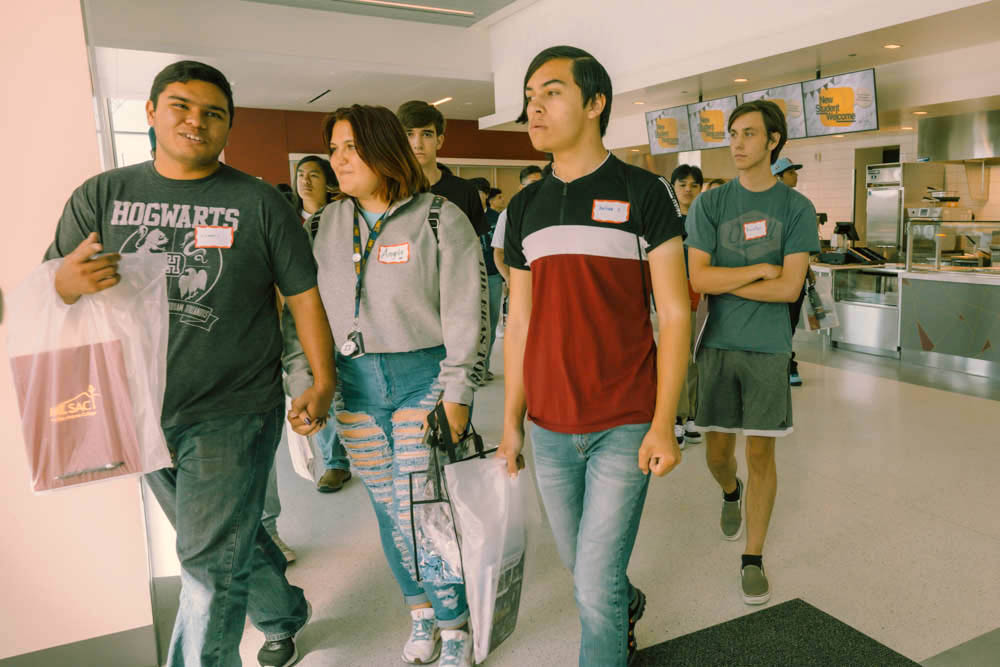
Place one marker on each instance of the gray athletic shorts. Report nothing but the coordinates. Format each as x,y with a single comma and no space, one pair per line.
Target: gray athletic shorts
743,392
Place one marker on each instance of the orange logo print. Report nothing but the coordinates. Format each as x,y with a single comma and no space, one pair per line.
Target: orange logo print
83,404
836,107
666,132
711,124
780,102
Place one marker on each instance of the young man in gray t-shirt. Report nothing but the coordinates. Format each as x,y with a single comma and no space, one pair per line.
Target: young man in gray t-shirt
749,243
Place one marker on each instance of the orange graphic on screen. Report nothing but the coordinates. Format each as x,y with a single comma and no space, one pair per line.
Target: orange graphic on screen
836,107
666,132
711,124
780,102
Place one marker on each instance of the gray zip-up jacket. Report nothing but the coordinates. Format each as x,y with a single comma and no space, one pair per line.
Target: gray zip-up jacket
419,291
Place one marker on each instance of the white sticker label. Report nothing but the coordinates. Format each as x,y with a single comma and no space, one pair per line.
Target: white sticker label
755,230
394,254
206,236
609,210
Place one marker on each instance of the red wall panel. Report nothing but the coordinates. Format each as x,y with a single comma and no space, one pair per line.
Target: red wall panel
261,140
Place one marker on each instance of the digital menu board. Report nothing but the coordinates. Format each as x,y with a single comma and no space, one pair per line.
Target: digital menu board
668,130
839,104
709,121
789,99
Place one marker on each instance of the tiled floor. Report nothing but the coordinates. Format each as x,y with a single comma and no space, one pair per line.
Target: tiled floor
886,518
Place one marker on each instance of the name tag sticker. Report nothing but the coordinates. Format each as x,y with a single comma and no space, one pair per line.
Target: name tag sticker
394,254
755,230
207,236
609,210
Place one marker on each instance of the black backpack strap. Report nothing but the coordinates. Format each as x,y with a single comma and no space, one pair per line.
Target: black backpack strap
434,215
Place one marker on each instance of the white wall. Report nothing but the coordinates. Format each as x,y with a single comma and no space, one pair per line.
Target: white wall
956,178
73,563
648,42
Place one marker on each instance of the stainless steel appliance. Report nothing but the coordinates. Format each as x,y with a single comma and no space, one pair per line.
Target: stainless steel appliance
891,189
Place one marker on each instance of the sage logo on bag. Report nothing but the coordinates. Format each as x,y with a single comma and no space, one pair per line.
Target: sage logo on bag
83,404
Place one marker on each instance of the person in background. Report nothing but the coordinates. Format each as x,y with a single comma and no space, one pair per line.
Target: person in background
494,205
408,301
587,247
748,251
713,183
483,188
223,407
788,173
528,175
425,127
687,181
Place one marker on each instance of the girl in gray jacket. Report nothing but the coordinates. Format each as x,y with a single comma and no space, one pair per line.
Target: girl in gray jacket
408,306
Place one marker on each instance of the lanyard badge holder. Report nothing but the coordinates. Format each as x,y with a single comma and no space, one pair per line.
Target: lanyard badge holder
354,346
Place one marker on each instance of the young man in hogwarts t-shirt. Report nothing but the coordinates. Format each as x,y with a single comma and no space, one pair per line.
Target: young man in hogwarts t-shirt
587,246
229,239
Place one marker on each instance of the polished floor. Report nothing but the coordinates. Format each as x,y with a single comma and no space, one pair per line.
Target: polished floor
886,518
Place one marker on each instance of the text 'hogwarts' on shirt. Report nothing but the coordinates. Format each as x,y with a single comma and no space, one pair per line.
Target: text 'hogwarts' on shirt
155,214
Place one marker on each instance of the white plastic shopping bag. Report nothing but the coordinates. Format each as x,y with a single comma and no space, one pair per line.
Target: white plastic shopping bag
90,377
490,511
300,448
821,312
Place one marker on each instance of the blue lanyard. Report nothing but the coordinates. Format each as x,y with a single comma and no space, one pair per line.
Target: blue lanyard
361,260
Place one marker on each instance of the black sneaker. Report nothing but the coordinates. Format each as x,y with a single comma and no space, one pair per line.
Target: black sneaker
282,653
635,610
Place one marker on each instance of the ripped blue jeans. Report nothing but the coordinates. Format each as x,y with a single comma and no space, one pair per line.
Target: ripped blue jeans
382,401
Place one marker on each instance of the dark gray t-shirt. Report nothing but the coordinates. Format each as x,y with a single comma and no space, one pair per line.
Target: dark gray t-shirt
225,345
737,228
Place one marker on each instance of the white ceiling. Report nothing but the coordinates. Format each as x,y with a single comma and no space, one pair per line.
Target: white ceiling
472,11
283,56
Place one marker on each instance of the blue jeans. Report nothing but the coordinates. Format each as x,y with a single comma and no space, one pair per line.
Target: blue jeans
383,400
495,283
593,493
230,567
334,454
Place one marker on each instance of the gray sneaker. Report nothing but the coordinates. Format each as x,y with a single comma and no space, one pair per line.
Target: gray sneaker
732,516
754,586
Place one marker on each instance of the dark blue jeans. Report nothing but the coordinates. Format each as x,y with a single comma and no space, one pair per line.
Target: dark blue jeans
384,399
230,567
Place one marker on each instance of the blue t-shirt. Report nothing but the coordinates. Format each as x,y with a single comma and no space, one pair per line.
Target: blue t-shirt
738,228
370,218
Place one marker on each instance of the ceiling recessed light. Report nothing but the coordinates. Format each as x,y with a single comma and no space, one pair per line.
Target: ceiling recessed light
442,101
838,136
906,128
635,150
891,46
638,102
419,8
919,113
740,80
467,103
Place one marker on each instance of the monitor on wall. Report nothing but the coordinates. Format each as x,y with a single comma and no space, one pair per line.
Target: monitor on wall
840,104
709,122
668,130
789,98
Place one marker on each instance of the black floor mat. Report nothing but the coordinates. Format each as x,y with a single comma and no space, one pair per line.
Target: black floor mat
791,633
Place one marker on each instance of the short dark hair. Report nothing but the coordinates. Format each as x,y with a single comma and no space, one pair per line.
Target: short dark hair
774,121
381,143
417,113
530,170
191,70
684,171
588,74
493,193
481,184
324,165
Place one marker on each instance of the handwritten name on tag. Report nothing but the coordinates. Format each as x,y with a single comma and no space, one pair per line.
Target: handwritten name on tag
394,254
755,230
207,236
609,210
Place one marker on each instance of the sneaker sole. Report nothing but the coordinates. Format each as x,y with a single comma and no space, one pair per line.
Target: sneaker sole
753,599
433,658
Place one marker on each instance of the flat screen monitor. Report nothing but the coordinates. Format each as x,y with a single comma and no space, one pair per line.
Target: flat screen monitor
847,229
841,103
789,99
709,122
668,130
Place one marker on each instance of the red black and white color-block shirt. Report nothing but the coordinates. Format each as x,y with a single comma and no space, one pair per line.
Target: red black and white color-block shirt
590,358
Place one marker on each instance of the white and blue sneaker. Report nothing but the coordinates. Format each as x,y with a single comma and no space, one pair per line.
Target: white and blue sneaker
424,645
457,649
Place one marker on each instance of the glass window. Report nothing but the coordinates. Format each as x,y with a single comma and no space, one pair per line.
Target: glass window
129,131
